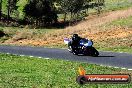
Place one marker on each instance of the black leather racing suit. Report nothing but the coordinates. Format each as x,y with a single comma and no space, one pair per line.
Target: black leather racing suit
75,43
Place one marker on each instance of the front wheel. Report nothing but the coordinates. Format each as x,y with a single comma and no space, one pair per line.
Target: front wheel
91,51
95,52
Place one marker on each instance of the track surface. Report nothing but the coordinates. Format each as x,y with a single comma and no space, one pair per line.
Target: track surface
105,58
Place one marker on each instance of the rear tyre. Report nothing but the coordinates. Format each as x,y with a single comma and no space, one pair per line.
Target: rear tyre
75,52
70,49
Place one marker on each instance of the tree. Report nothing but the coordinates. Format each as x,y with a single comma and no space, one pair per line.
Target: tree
41,10
70,6
8,10
99,4
11,6
0,9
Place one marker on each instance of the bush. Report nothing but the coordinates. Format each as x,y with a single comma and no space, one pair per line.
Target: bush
24,34
2,33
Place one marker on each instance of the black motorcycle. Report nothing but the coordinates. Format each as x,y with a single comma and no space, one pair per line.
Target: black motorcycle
84,48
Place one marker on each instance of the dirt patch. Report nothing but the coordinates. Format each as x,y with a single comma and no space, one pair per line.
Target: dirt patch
113,33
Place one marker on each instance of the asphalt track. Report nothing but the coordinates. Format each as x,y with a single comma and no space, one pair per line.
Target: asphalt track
122,60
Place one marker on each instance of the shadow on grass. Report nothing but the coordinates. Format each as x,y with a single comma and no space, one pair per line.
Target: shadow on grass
11,22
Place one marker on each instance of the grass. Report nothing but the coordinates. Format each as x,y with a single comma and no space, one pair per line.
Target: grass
122,22
112,5
26,72
23,33
116,49
115,45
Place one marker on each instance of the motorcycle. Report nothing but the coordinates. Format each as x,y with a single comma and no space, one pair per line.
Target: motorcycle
85,47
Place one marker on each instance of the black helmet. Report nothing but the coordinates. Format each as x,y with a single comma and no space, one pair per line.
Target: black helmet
75,37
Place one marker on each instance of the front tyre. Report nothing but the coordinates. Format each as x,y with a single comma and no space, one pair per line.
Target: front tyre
95,52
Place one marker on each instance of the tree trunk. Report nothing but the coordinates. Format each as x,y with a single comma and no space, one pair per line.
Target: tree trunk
8,11
71,19
87,10
65,17
98,8
71,16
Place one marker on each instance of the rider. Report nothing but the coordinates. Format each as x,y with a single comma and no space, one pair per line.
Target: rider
75,42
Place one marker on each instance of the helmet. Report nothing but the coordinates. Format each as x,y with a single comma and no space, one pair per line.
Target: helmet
75,37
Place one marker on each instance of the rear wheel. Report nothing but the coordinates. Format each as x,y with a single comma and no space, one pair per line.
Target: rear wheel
70,49
75,52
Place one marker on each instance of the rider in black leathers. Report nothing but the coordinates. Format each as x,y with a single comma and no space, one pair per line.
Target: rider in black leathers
75,42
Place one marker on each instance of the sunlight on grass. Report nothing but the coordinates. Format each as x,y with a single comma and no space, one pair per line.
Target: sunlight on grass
16,72
113,5
122,22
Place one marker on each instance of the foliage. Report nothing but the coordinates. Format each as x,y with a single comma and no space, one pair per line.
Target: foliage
9,7
41,10
46,11
4,6
12,5
21,5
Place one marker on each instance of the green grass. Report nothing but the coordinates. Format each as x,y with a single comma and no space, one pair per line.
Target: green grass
122,22
112,5
115,45
23,33
26,72
116,49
